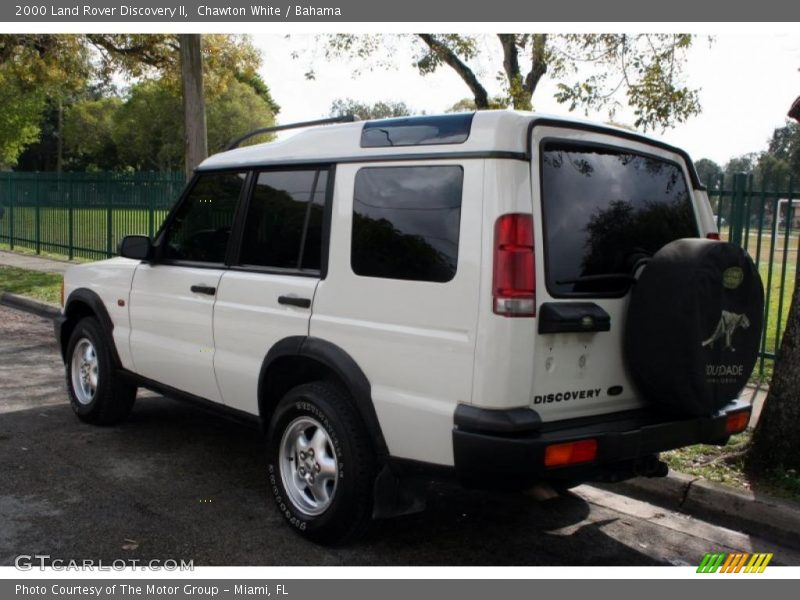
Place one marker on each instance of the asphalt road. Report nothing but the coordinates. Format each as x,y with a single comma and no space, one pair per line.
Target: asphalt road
176,482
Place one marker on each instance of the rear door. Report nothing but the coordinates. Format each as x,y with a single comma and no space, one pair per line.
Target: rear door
267,293
604,203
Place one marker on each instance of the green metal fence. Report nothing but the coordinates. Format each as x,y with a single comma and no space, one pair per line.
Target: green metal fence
764,219
82,214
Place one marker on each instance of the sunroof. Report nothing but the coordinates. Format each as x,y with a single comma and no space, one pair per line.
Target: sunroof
417,131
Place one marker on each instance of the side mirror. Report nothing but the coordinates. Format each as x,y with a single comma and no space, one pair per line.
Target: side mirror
137,247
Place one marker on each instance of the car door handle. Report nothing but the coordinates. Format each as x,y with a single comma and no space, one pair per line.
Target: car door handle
295,301
204,289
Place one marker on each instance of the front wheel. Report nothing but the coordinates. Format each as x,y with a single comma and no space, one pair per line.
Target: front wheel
96,393
321,465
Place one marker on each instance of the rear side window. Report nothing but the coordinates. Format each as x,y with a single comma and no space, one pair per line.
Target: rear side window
406,222
201,227
283,227
605,208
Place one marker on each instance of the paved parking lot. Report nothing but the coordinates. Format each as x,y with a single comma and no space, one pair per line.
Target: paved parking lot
176,482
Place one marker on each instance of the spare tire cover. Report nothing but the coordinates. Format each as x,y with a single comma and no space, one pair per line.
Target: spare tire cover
694,325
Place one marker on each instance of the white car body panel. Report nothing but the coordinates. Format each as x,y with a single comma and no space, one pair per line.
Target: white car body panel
111,281
414,340
248,321
171,339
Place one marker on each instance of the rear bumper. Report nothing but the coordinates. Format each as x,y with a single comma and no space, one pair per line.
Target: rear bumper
507,448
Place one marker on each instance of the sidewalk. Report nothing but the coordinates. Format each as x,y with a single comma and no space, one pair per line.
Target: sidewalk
34,263
755,394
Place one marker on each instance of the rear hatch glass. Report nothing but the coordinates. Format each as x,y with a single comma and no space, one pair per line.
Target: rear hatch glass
603,209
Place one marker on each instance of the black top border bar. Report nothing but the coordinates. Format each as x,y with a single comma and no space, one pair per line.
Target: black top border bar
449,11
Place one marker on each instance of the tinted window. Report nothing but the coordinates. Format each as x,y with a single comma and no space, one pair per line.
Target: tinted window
406,222
283,228
202,224
417,131
604,209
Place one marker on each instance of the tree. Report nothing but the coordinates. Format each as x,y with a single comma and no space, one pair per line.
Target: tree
148,133
239,109
194,107
776,443
708,170
745,163
88,134
50,69
378,110
592,70
19,119
782,157
36,71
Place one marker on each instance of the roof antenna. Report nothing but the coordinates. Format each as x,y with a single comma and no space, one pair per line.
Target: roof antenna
329,121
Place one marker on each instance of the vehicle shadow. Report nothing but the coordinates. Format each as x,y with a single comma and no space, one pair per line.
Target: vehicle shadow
176,481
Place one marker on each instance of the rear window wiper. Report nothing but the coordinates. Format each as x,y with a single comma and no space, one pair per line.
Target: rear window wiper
604,277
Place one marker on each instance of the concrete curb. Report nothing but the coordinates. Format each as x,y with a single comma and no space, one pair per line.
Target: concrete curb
37,307
746,511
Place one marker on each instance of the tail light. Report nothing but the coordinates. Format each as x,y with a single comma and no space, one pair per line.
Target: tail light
514,279
570,453
62,293
737,422
713,235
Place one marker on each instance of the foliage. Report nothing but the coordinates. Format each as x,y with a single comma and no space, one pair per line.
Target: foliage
19,120
148,129
42,73
89,134
592,70
707,170
775,165
239,109
377,110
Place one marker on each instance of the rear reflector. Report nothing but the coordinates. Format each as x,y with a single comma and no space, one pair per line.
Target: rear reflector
570,453
713,235
737,422
514,277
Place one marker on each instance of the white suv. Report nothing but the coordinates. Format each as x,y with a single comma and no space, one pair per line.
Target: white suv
400,299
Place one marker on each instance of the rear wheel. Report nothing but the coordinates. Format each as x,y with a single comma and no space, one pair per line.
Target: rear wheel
96,393
321,465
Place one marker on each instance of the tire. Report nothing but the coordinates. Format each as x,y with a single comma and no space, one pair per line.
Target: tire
694,326
96,394
325,493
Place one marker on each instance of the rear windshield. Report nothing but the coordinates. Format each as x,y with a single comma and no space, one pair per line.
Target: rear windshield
604,209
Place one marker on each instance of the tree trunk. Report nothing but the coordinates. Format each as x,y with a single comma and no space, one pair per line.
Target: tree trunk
60,137
776,439
194,108
519,94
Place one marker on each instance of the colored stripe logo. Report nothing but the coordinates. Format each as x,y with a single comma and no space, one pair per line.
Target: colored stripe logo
734,562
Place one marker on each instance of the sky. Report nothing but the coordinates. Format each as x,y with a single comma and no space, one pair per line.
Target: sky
746,82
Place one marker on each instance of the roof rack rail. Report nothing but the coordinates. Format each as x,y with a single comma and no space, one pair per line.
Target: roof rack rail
329,121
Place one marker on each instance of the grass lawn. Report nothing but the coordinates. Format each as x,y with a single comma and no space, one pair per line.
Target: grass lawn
33,284
726,465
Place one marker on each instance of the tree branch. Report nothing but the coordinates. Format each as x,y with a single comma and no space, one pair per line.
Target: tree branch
449,57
